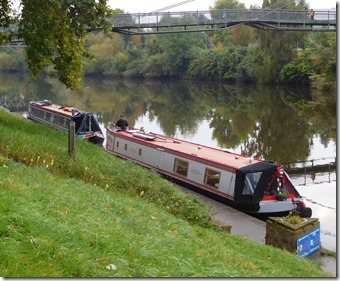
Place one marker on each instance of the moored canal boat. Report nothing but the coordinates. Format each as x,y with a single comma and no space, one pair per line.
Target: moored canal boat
57,116
254,186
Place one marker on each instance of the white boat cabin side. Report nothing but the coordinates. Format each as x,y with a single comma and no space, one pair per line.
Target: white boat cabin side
166,156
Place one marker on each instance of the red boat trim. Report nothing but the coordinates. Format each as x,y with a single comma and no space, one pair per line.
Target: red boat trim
178,153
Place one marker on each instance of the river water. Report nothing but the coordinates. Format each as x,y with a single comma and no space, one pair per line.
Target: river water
292,125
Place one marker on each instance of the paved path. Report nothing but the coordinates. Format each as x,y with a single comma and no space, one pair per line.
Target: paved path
252,228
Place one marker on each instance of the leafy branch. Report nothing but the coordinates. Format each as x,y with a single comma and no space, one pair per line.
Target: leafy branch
54,31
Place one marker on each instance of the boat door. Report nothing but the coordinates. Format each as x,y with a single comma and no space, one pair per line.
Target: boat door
161,158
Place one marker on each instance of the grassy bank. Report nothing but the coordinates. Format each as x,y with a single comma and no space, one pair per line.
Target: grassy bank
100,216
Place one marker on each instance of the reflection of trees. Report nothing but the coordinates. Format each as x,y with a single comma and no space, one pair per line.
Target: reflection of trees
282,135
232,117
111,98
259,120
267,122
321,112
13,85
176,107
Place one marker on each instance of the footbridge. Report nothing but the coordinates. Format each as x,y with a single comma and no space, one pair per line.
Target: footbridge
14,104
215,20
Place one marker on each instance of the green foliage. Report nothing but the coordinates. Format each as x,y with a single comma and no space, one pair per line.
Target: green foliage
7,18
228,4
287,4
13,60
105,48
248,67
277,47
7,63
136,61
53,32
297,71
217,63
321,52
178,50
293,218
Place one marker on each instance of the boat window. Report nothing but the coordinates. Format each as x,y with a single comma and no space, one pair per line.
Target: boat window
140,152
181,167
117,144
125,147
62,122
250,183
212,178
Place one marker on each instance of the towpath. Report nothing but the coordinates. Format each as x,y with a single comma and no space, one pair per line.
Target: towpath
252,228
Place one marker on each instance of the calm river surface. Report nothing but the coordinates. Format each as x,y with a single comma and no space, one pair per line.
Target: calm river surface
292,125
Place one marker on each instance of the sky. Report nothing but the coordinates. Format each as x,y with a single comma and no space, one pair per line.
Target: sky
146,6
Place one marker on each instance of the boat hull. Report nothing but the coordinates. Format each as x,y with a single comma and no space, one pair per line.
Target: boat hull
59,117
221,175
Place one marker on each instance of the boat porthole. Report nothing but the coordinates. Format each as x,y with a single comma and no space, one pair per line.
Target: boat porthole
140,152
125,146
117,144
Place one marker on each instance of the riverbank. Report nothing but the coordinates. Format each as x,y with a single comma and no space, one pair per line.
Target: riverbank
100,216
254,229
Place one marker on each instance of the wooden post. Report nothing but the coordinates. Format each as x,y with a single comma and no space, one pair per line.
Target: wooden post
71,139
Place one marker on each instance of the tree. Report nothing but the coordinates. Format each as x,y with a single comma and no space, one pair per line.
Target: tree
105,48
176,52
228,4
240,34
321,53
54,32
277,47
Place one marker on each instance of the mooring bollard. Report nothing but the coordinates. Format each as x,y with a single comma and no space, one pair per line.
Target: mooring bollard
71,139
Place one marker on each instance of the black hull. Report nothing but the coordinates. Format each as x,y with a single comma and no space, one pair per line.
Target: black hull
96,140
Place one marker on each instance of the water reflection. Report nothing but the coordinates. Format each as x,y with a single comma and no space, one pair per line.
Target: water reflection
274,123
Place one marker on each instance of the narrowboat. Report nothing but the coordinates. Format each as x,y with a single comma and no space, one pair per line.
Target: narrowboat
254,186
57,116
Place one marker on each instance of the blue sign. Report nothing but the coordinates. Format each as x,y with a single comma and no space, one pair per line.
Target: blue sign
308,243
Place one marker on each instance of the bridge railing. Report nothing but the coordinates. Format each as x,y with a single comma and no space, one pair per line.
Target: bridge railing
218,17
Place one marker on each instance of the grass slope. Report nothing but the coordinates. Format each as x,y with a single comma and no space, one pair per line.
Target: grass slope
100,216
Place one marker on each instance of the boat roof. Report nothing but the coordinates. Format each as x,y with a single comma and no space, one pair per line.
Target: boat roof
56,108
215,155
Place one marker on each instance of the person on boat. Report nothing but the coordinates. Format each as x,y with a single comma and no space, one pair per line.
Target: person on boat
311,13
122,123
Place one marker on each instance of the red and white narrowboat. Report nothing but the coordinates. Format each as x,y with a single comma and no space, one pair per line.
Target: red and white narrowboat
254,186
57,116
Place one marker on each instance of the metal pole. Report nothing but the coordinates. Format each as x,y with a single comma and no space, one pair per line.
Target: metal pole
71,139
